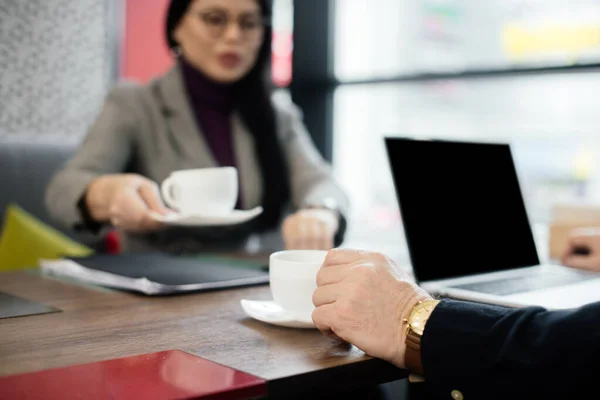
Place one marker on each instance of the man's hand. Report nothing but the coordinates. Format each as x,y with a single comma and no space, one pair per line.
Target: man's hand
583,249
362,298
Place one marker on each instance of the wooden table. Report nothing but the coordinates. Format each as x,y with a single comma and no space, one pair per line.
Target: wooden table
99,324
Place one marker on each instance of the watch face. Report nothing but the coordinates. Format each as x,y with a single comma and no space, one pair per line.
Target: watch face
420,314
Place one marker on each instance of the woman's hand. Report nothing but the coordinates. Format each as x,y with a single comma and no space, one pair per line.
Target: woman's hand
310,229
126,201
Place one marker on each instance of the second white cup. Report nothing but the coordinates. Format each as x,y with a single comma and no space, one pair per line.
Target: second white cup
207,191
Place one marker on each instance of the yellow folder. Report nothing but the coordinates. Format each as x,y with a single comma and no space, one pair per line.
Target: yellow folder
25,240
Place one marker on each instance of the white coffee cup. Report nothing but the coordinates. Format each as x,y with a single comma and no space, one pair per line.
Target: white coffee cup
206,191
293,279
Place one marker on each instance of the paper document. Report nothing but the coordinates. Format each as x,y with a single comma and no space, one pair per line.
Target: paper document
156,274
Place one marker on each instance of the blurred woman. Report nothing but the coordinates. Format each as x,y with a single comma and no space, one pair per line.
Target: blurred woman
213,108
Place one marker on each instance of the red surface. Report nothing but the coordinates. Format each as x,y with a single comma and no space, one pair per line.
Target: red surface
166,375
144,51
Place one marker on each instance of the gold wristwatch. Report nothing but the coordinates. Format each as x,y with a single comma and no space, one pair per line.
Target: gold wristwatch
415,326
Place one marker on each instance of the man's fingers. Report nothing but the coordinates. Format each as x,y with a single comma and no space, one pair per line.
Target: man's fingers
589,232
332,275
580,241
577,241
324,318
333,336
327,294
342,256
582,262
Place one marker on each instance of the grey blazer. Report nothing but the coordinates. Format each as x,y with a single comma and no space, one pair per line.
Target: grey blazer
150,129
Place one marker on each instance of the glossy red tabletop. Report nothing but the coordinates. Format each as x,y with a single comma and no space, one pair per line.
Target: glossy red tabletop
167,375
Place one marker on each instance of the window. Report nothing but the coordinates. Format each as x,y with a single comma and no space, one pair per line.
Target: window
389,38
551,119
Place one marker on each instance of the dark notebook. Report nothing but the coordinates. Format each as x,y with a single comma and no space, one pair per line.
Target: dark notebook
158,273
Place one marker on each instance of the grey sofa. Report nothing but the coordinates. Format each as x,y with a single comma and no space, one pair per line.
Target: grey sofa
26,166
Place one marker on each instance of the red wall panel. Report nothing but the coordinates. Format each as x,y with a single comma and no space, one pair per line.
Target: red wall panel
144,52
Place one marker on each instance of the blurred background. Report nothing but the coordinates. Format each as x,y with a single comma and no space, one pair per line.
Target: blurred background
524,71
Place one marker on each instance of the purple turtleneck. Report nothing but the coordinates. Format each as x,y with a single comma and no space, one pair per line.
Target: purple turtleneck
212,104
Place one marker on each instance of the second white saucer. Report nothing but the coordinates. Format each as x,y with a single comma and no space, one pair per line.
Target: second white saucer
272,313
235,217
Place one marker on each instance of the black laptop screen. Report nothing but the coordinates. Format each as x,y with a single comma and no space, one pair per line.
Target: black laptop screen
461,206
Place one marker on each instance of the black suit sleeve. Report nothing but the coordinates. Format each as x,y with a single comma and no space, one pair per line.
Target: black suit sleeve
489,352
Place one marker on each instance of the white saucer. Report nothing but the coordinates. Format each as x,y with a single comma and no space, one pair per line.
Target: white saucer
235,217
271,313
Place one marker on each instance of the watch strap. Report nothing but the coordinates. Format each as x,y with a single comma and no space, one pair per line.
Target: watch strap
412,354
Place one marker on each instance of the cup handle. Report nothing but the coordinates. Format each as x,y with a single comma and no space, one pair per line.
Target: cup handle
167,189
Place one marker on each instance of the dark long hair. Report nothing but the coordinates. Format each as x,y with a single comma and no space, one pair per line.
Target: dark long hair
256,110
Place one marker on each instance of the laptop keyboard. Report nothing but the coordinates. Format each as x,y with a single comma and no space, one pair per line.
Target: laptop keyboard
528,283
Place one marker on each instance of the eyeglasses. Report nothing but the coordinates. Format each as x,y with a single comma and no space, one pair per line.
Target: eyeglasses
217,23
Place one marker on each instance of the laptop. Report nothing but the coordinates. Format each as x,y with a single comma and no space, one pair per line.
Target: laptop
468,231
